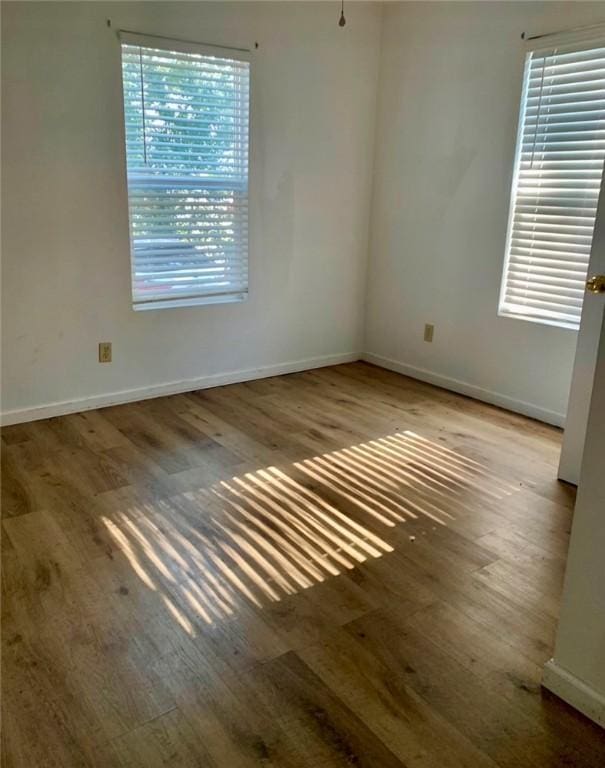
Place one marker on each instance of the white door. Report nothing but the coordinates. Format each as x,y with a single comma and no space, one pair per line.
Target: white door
577,672
586,355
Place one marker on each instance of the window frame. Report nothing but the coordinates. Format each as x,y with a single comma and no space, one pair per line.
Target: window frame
582,38
177,45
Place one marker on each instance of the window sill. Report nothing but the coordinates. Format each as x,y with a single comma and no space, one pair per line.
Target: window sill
568,326
199,301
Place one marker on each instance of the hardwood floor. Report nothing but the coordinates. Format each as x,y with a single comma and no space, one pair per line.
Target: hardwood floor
342,567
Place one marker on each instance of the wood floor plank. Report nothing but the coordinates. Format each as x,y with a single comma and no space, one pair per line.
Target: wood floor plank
339,567
497,725
394,711
320,727
224,709
165,740
18,494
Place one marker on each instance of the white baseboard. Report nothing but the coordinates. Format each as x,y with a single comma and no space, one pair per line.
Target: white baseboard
574,691
464,388
21,415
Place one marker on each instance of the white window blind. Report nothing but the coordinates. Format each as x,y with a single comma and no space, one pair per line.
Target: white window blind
557,177
186,111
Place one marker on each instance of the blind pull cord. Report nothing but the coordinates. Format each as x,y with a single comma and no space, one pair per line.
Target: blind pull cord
533,148
143,107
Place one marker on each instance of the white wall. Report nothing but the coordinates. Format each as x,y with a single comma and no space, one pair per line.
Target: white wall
66,283
450,84
577,672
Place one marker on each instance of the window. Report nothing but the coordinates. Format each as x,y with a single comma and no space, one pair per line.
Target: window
557,177
186,112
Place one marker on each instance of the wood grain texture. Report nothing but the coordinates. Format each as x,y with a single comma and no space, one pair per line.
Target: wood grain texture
342,567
